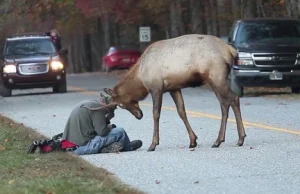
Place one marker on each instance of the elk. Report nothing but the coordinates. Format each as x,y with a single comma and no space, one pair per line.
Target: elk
173,64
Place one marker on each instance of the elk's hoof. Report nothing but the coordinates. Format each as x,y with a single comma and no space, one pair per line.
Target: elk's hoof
215,146
193,145
151,149
240,143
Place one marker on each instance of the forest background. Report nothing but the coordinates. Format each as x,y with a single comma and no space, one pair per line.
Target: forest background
89,27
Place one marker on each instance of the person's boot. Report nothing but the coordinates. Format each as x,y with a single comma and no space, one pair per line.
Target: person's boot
136,144
112,148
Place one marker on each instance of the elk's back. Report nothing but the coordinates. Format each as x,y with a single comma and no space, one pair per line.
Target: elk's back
184,61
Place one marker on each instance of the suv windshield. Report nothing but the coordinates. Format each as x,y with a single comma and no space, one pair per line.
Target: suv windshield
272,32
29,47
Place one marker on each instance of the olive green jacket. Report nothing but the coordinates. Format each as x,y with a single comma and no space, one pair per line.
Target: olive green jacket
84,124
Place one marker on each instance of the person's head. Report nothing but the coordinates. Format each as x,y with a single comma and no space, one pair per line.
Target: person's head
54,32
105,99
125,103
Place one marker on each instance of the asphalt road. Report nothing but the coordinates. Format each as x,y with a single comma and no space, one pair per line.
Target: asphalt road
267,163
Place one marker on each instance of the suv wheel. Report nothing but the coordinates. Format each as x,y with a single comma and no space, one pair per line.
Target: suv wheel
61,87
5,91
296,90
238,90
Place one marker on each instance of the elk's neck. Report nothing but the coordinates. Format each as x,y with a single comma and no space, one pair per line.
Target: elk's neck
132,86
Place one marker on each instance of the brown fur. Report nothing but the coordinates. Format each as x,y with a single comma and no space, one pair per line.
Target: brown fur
174,64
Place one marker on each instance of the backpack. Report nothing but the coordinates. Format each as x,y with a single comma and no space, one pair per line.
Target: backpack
46,146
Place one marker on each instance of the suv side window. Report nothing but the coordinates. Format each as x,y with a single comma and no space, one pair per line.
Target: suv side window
231,32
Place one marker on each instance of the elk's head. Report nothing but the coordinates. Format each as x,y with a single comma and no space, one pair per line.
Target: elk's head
125,102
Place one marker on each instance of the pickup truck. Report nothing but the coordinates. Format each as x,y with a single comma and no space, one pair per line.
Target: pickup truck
268,53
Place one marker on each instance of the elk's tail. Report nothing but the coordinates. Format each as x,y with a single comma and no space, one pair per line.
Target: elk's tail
233,51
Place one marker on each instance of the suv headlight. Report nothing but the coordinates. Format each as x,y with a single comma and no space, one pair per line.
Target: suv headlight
244,59
10,69
56,65
245,62
244,55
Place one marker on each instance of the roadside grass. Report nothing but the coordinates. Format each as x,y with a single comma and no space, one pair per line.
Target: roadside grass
51,173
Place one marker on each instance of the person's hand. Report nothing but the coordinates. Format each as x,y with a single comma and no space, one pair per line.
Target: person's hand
110,115
111,126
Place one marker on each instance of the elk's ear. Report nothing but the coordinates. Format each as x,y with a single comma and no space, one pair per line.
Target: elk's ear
110,92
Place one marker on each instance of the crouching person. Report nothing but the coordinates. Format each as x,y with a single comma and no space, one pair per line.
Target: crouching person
90,132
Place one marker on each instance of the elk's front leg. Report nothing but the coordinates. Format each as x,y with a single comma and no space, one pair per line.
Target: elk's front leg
178,99
157,102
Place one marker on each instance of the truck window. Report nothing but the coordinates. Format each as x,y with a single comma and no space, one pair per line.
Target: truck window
277,32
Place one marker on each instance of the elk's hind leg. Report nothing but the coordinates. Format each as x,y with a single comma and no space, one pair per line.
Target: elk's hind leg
227,98
224,103
178,99
235,105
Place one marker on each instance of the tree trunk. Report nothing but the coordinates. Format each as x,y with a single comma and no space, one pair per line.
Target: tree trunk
236,9
224,18
292,7
249,8
208,18
177,26
197,17
214,17
106,31
87,53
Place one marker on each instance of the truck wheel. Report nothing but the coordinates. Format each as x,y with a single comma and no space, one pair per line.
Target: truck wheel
296,90
60,88
238,90
5,91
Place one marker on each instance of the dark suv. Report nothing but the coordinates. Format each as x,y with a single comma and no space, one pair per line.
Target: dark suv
31,61
269,53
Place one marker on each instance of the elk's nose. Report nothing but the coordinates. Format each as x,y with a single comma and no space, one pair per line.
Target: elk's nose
139,114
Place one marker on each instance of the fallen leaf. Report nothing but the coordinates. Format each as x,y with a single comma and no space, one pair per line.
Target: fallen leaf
281,103
2,148
196,182
251,148
54,115
247,103
11,182
157,182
